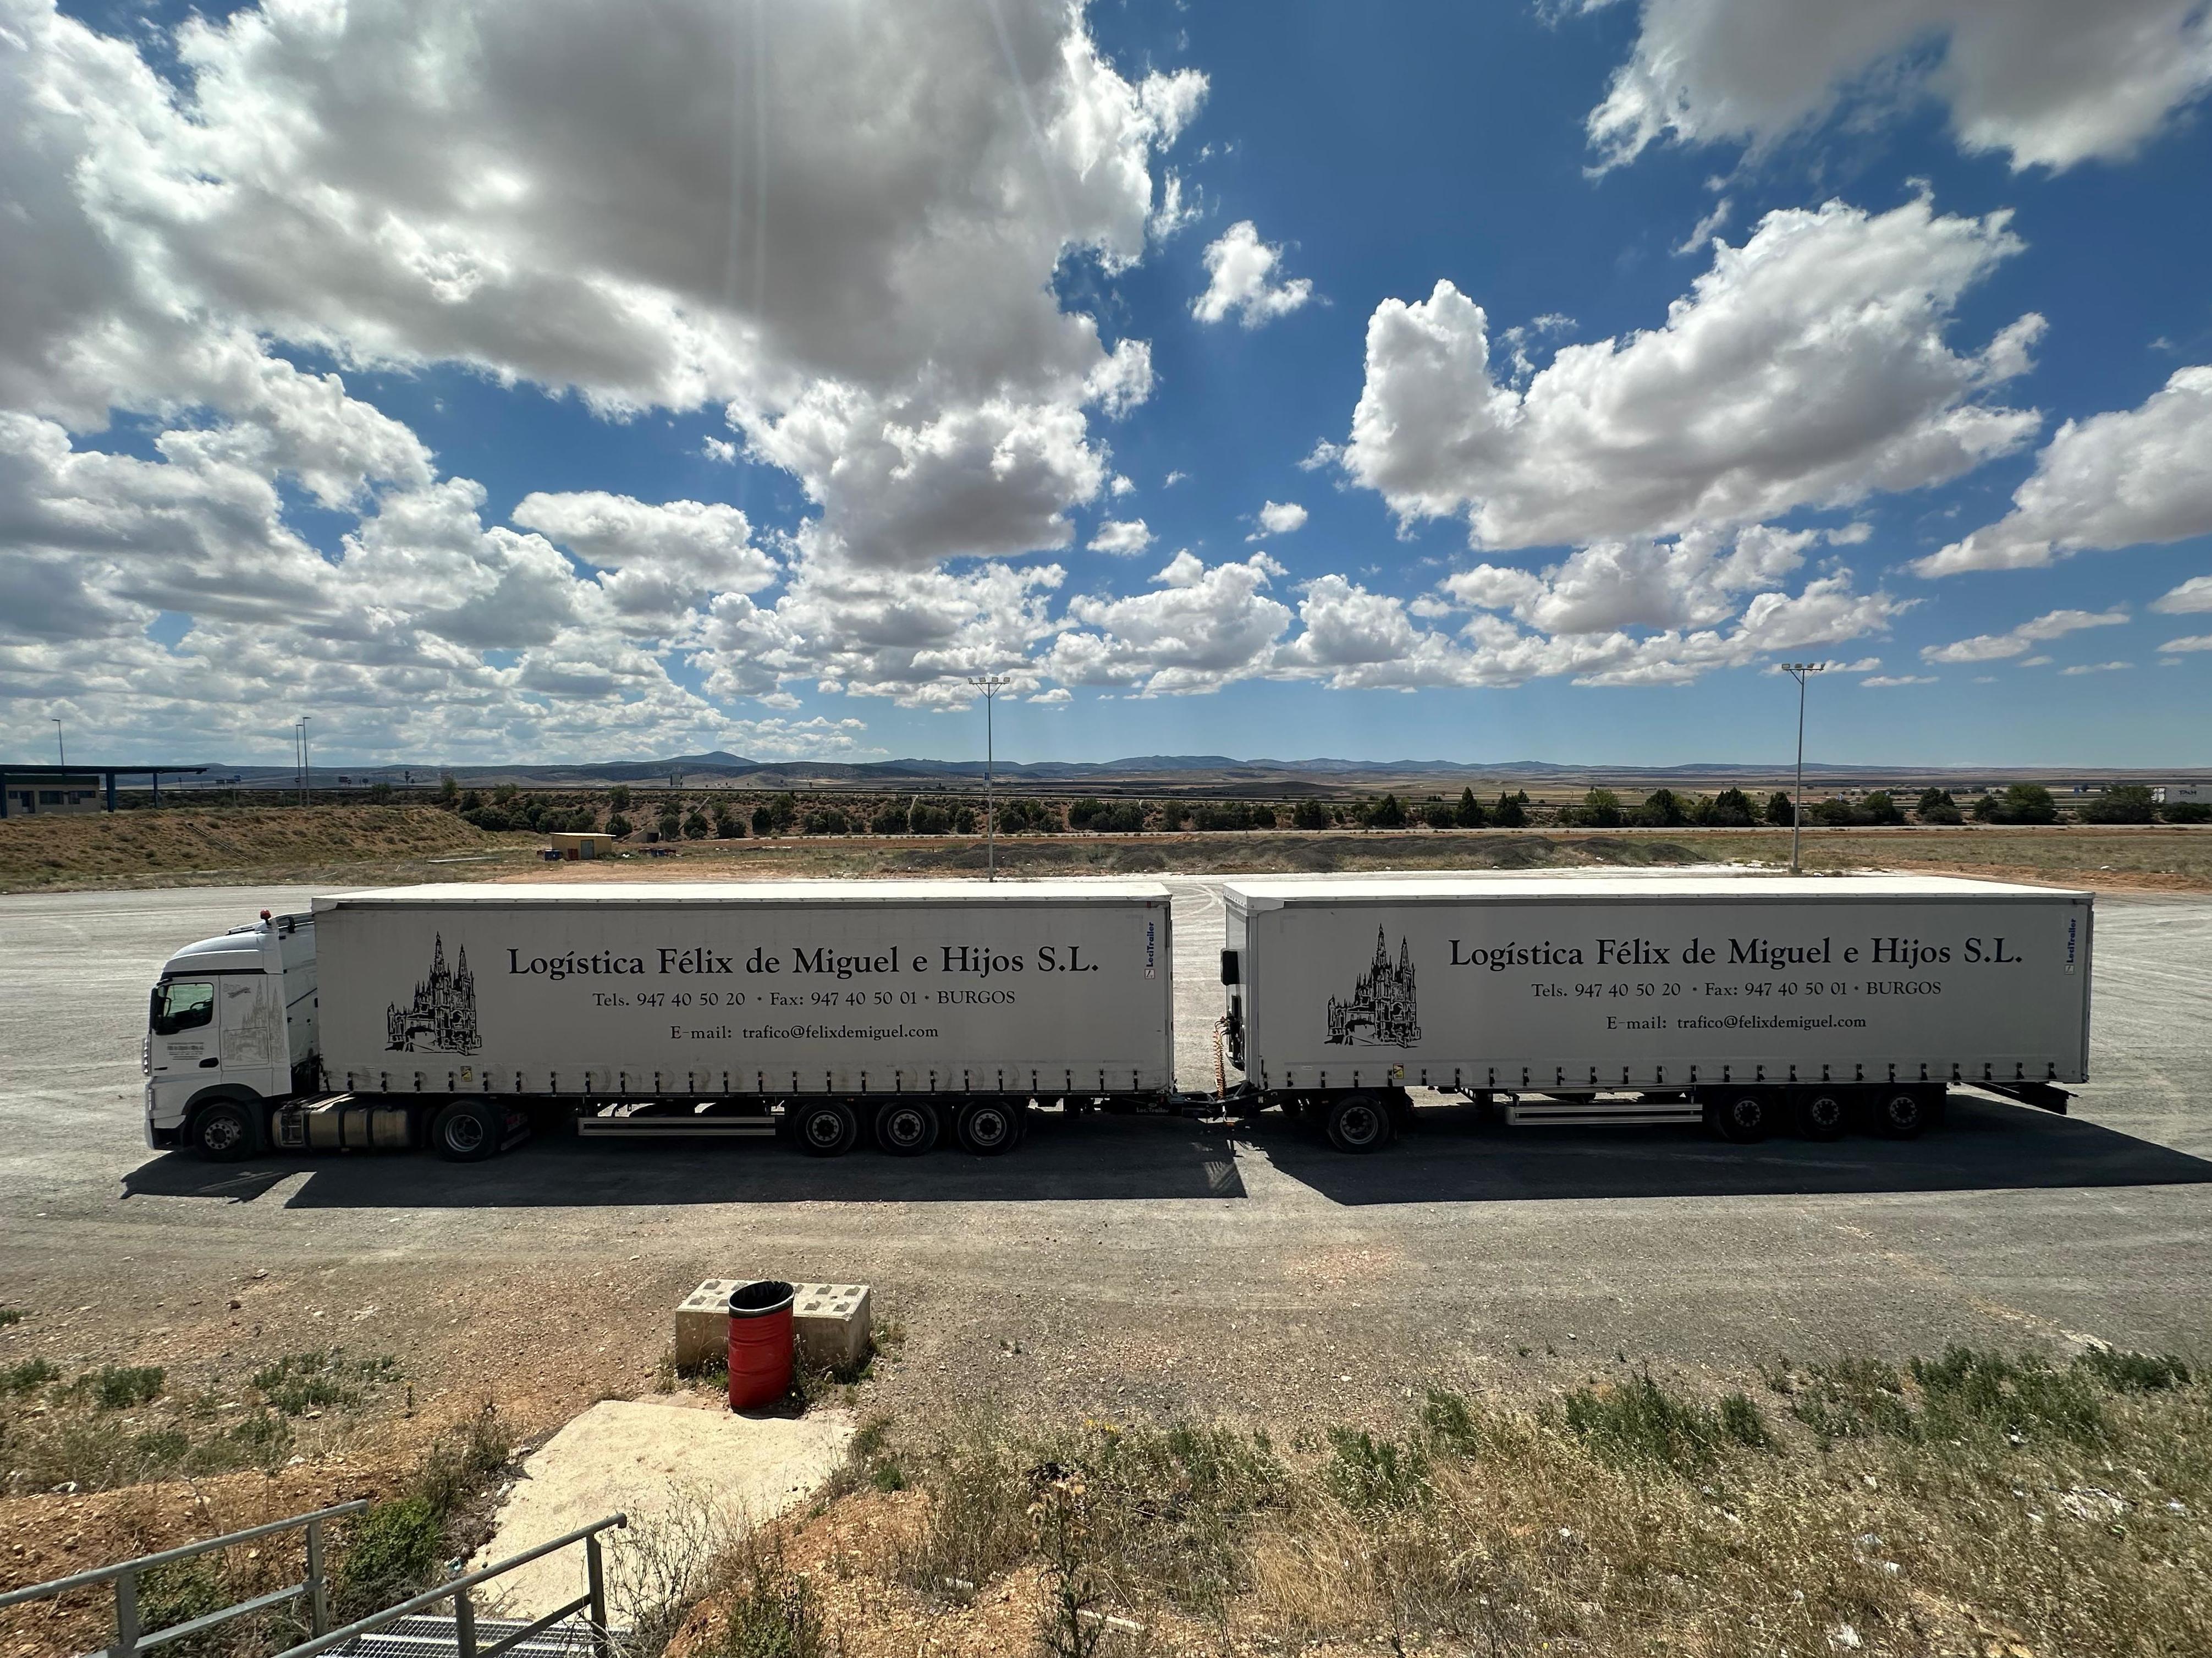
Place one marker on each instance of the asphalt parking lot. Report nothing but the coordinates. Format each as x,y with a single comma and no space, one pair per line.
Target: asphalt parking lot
1139,1263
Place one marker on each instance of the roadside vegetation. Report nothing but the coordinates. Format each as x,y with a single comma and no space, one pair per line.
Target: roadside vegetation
1972,1502
129,1431
127,1424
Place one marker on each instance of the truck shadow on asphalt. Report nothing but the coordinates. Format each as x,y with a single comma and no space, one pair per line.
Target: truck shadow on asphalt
1094,1159
1982,1144
1453,1157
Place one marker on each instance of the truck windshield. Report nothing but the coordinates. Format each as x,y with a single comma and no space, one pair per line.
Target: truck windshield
179,1007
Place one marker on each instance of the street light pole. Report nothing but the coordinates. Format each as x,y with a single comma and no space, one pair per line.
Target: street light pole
61,746
1800,672
990,684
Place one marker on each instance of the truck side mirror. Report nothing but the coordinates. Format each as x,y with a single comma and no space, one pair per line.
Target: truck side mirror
1230,973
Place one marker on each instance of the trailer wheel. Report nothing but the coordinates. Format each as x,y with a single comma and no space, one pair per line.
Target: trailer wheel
1903,1113
1744,1116
1822,1114
826,1128
1359,1123
907,1128
227,1131
467,1132
988,1127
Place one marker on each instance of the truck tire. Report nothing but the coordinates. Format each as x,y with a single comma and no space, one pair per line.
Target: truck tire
826,1128
227,1131
467,1132
988,1127
1743,1115
907,1128
1900,1113
1823,1114
1359,1122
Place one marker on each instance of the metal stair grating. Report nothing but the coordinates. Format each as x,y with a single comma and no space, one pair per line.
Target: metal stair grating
429,1637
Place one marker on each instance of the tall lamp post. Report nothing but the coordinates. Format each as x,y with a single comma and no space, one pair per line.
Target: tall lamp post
61,746
990,684
306,776
1800,672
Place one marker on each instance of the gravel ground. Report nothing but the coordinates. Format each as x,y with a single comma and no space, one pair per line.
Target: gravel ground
1122,1267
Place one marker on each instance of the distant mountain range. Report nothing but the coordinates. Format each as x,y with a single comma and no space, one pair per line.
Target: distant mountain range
1172,774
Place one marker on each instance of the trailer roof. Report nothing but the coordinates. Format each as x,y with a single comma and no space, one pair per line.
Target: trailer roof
694,895
1272,891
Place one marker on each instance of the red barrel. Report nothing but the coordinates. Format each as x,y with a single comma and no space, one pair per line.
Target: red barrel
760,1343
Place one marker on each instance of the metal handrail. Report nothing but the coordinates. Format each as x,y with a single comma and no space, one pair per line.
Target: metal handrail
131,1638
594,1597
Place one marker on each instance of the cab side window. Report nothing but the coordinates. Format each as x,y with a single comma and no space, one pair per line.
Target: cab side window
180,1007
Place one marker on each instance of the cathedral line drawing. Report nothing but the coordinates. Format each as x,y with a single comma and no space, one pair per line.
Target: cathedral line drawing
443,1015
1381,1010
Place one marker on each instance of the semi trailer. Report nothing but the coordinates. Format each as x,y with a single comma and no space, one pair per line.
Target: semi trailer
1747,1002
912,1013
827,1010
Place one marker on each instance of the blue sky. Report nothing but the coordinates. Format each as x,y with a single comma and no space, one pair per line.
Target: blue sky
493,387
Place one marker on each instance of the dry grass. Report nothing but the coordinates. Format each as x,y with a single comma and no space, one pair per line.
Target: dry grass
2159,857
198,846
1972,1504
365,845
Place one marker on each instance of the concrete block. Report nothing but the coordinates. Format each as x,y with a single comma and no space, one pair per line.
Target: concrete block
829,1323
703,1324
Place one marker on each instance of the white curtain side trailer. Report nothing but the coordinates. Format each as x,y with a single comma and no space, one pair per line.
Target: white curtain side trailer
1744,999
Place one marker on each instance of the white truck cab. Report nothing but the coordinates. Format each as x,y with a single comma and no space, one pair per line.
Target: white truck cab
230,1031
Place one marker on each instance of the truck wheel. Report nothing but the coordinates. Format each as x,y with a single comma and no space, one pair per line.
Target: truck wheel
908,1128
465,1131
1359,1123
1744,1117
987,1128
1903,1113
1822,1114
826,1128
227,1131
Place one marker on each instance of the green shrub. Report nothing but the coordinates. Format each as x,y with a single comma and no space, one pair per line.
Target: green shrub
1640,1421
323,1380
1967,1389
1365,1473
2134,1373
28,1376
120,1387
395,1548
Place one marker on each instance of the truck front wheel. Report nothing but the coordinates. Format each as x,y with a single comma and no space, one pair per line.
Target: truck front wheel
227,1131
1359,1123
465,1131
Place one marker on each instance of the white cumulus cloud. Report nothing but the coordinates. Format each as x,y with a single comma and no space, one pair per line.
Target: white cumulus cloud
2046,82
1279,518
2018,641
2193,595
1809,367
1241,280
1124,538
2119,479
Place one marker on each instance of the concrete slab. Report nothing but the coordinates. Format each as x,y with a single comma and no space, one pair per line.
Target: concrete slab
646,1458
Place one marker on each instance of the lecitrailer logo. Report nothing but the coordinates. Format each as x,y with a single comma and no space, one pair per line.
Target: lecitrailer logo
1382,1011
443,1015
